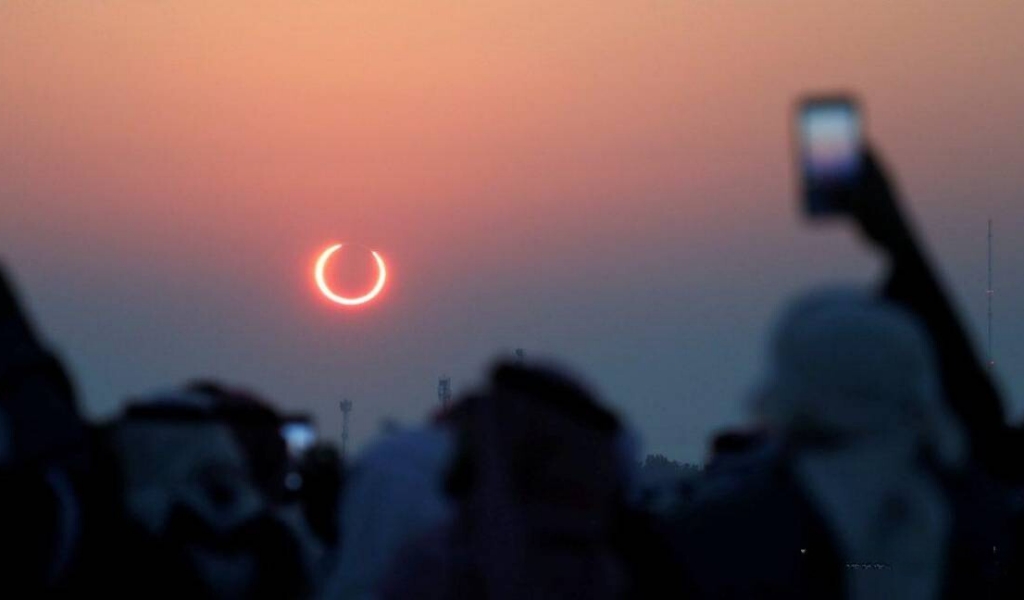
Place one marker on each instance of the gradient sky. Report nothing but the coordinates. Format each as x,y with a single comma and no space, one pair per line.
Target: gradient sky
605,183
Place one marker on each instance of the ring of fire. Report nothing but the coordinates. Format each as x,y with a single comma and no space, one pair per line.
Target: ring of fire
318,273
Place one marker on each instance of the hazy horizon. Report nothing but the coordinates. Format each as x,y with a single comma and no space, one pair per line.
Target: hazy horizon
605,184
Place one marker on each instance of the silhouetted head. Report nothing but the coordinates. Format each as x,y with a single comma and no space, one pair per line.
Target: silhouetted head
549,387
848,368
39,420
203,475
548,442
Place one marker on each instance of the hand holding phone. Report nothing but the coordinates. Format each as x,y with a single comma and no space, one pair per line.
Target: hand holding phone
841,175
830,153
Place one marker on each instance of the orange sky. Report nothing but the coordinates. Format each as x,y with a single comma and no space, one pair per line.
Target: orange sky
558,150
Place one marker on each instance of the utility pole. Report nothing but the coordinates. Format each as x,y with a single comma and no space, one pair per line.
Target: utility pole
346,408
444,391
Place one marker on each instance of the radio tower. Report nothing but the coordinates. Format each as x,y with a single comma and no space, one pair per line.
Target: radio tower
346,408
988,292
444,391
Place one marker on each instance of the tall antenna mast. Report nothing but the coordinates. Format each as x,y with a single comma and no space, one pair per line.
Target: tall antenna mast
444,391
346,408
988,292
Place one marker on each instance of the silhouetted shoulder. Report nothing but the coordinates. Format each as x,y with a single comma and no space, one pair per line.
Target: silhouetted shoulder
762,526
431,567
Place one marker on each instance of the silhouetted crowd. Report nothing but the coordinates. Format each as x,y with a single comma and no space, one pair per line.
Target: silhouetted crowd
877,463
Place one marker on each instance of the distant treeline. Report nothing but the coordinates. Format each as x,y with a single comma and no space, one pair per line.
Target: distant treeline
661,465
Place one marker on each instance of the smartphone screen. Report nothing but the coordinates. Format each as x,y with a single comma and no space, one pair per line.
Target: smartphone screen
299,435
831,152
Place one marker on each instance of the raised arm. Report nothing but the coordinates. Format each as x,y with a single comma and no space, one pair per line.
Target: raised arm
913,283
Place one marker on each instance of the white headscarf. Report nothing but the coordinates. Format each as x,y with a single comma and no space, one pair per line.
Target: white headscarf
394,494
853,386
164,463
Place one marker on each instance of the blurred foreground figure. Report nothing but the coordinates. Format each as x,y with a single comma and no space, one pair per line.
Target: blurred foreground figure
208,513
863,490
184,495
870,473
538,483
394,493
44,458
913,283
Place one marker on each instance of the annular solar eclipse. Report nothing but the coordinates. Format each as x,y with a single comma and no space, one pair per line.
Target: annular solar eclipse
321,282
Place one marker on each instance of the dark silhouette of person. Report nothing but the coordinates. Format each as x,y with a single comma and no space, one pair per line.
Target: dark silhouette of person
183,495
206,511
914,284
870,476
44,457
538,481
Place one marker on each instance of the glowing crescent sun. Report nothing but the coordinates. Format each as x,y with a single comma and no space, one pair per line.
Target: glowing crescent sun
321,264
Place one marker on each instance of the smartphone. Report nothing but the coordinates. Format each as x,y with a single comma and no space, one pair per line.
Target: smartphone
831,150
299,435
